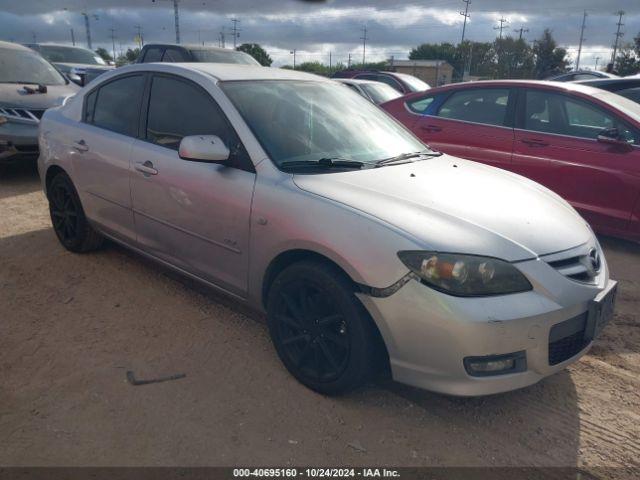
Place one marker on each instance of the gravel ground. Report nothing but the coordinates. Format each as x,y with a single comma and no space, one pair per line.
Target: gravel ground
72,325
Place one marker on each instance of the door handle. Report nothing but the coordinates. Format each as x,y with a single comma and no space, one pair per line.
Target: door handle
81,146
146,168
431,128
533,142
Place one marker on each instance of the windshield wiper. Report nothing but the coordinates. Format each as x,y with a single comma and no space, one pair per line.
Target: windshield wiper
327,162
405,158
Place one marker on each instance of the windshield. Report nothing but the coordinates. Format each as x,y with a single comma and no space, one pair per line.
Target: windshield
380,92
221,56
310,120
25,66
54,54
415,84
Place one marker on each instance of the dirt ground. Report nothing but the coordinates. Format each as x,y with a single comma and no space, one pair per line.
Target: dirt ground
72,325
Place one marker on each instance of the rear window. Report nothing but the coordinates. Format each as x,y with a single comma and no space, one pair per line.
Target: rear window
221,56
478,105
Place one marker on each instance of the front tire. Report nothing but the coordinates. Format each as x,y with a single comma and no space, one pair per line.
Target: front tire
68,219
321,331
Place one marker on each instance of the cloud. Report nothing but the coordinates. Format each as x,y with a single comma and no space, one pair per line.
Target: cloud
316,28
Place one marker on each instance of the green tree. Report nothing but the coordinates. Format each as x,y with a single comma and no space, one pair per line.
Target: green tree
130,56
514,58
550,59
458,56
104,54
257,52
627,61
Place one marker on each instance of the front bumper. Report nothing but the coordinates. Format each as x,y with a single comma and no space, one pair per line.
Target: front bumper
18,142
428,334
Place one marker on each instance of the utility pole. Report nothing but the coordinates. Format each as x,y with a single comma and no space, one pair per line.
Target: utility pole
584,21
349,62
329,59
73,38
33,35
618,35
501,27
364,44
294,57
87,27
176,18
521,30
221,42
140,37
597,59
236,31
466,15
113,42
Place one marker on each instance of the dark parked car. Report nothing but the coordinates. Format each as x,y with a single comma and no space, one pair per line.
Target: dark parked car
81,65
402,82
156,52
581,75
581,142
627,87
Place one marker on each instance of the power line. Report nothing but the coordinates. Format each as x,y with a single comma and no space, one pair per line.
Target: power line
618,35
466,16
501,27
584,21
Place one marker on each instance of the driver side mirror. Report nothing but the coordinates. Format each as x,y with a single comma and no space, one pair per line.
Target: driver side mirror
203,148
612,136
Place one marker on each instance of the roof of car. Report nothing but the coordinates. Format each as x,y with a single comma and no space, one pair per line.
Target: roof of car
567,86
356,81
190,46
610,81
223,71
13,46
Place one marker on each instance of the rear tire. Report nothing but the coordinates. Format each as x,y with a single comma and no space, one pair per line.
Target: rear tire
321,331
68,219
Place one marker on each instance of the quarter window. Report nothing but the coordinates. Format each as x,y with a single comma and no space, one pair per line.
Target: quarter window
420,106
117,106
478,105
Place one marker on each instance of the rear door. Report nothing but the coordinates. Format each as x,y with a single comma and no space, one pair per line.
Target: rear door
556,145
472,123
194,215
102,152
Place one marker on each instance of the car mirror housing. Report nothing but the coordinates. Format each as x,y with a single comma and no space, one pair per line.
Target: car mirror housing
611,136
203,148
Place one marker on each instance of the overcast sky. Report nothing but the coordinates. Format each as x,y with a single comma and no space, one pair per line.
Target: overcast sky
315,28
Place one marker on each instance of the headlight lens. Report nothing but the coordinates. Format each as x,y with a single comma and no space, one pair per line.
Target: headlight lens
465,275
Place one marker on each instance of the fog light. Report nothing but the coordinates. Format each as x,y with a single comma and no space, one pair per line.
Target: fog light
496,364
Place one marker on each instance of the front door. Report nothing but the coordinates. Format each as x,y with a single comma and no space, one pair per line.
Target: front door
556,145
194,215
471,123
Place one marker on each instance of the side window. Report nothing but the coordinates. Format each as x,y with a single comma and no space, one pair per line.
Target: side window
175,55
392,82
562,115
89,106
117,106
153,54
178,109
420,105
478,105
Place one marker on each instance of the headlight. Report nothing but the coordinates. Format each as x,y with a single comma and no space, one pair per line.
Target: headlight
465,275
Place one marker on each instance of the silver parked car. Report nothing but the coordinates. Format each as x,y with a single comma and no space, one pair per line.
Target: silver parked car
376,92
81,65
299,197
28,86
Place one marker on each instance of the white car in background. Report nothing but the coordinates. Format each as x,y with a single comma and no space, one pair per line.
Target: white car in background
376,92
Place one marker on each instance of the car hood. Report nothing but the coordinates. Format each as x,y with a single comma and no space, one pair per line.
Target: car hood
452,205
14,95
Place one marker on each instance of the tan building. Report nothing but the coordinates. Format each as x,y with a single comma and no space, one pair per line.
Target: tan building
434,72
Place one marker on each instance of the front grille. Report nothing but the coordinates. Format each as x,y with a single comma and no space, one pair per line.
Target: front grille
567,339
583,267
29,115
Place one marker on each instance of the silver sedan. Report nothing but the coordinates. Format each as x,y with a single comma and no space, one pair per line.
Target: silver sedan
364,247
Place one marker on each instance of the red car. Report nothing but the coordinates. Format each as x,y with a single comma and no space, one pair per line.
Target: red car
581,142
